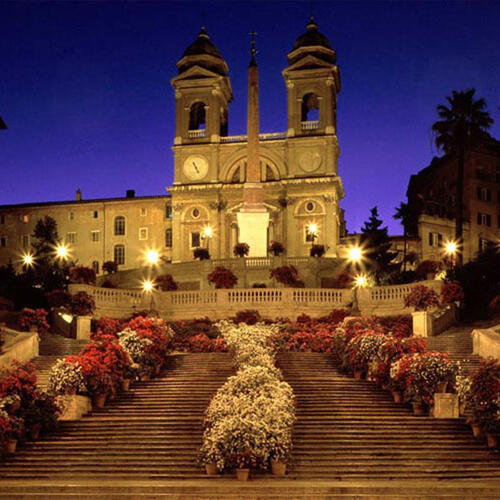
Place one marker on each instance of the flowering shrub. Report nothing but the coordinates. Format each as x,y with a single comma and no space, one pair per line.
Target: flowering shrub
484,396
18,380
317,251
452,292
33,317
250,317
287,275
58,298
10,427
427,267
222,277
82,304
241,250
320,341
422,298
361,349
66,376
138,350
83,275
41,411
166,283
276,248
250,419
462,387
107,326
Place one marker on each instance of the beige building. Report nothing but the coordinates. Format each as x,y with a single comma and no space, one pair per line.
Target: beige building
298,179
433,192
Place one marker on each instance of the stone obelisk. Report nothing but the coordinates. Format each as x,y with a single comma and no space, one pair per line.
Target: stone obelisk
253,218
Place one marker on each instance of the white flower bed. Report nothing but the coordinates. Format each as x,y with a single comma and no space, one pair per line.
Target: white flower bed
250,419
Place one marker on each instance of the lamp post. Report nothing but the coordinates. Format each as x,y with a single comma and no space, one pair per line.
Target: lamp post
148,287
312,229
207,234
450,250
355,256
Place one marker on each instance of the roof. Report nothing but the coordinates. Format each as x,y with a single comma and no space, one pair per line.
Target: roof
312,37
202,45
81,202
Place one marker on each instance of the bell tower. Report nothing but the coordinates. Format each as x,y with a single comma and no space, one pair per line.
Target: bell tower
313,81
202,94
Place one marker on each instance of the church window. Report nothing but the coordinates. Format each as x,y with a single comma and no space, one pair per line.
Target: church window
119,225
71,237
25,219
143,233
195,239
95,214
435,239
71,215
195,213
143,212
3,241
168,211
95,266
483,194
197,118
483,219
25,240
119,254
310,108
310,206
168,238
95,236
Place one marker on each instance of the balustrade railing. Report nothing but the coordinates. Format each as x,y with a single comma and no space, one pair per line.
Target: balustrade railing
310,125
273,136
196,134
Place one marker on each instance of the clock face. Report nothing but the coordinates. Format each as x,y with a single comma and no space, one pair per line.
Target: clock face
195,167
309,161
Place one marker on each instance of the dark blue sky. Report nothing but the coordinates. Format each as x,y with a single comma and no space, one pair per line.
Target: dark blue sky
84,88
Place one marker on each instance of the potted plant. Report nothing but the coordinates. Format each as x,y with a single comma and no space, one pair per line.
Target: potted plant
427,269
82,275
82,304
11,429
66,377
33,320
200,253
166,283
241,250
110,267
222,277
276,248
422,299
452,293
287,275
317,251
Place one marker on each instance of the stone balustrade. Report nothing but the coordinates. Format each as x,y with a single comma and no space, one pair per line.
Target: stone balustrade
196,134
486,341
270,302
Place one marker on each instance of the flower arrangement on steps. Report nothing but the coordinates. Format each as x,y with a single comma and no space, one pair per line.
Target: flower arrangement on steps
248,423
25,412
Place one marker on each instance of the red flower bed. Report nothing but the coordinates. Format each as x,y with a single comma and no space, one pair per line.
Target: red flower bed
452,292
422,298
33,317
107,326
18,380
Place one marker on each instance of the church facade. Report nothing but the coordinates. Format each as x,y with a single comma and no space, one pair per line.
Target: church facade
295,171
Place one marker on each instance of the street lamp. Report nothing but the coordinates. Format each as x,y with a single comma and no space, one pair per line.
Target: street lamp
28,260
207,234
312,229
148,287
355,256
451,249
152,257
62,251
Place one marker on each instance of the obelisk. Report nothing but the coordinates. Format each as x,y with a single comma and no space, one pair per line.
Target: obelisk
253,218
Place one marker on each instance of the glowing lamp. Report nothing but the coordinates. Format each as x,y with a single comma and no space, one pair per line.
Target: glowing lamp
147,286
451,248
355,254
62,251
313,228
28,259
208,232
360,281
152,257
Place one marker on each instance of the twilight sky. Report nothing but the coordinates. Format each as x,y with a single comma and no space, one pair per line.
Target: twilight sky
85,92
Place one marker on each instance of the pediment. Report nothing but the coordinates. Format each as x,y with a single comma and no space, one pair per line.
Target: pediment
195,72
308,62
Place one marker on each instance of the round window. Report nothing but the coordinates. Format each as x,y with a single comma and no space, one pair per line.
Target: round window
195,213
310,206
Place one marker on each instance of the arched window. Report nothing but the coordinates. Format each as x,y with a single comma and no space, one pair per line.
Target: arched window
119,254
269,174
119,225
236,176
197,118
310,108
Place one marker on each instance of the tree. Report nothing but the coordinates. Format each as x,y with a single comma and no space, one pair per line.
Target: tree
408,215
461,125
375,241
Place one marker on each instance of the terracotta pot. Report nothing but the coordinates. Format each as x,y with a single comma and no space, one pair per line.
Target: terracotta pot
418,409
278,468
99,400
242,474
211,469
492,440
358,374
397,396
477,431
10,446
125,384
35,432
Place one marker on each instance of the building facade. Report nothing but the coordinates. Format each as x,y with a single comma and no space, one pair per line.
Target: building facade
433,193
298,181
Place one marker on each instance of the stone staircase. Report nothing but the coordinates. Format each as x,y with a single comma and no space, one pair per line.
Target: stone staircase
351,430
151,432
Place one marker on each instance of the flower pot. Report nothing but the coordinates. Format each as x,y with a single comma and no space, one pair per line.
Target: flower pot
492,440
278,468
99,400
10,446
242,474
358,374
418,409
211,469
35,432
477,431
125,384
441,387
397,396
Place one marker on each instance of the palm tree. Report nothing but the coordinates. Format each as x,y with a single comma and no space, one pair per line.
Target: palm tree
460,126
404,213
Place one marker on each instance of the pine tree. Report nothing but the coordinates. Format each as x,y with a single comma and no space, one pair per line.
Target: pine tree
376,243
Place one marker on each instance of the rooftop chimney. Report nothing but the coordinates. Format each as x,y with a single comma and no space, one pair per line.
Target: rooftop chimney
78,194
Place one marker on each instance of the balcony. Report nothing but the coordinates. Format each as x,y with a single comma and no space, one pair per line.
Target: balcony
312,125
